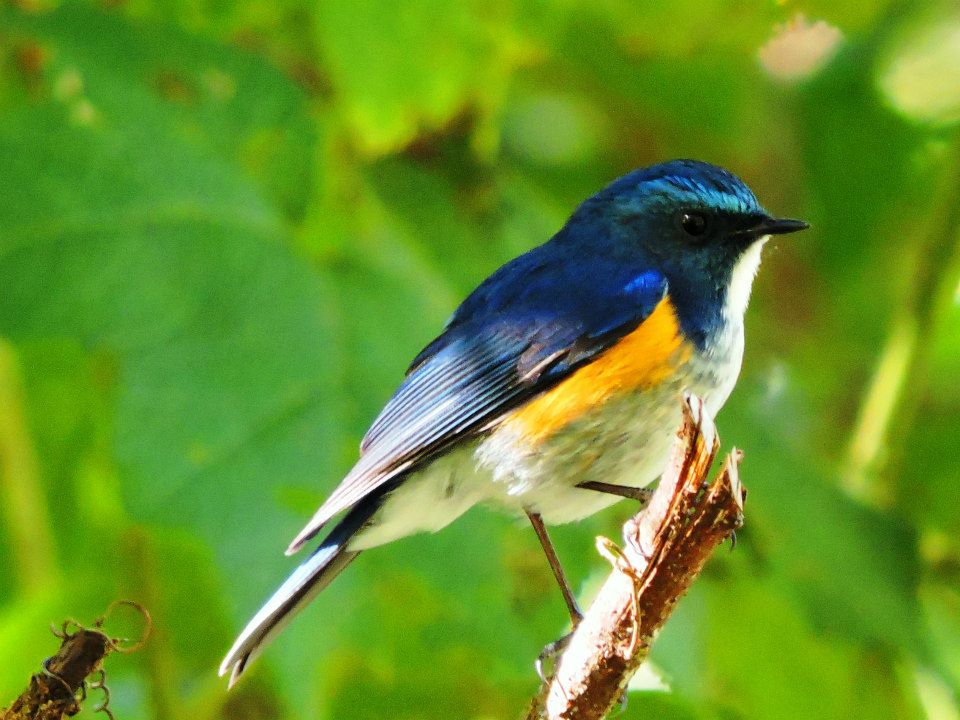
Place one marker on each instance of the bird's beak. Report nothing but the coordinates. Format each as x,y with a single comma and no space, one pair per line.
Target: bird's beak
777,226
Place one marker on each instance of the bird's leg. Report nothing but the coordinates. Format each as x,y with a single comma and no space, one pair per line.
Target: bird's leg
641,495
538,527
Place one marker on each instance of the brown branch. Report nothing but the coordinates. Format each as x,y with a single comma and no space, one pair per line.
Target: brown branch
53,692
667,545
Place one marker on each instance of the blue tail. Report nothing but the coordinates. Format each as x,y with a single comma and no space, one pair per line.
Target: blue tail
312,576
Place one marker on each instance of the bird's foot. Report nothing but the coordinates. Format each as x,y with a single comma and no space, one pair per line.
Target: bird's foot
546,664
632,539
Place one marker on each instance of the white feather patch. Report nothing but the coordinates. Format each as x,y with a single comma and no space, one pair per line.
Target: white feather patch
741,281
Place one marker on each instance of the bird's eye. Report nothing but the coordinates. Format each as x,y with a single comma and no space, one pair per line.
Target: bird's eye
694,224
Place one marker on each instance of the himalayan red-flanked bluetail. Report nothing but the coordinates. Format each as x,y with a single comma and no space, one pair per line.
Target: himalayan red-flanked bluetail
554,389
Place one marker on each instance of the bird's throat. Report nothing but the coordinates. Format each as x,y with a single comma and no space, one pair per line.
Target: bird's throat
741,281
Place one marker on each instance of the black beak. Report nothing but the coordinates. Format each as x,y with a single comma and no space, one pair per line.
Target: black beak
775,226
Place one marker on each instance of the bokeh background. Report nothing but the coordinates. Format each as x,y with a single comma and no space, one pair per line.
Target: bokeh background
225,227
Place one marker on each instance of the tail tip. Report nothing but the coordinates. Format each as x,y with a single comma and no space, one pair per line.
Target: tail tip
234,666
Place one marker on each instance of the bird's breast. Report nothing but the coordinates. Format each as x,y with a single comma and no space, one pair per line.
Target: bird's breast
647,357
611,421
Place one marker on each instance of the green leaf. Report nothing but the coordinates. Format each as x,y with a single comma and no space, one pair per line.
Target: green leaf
398,68
136,83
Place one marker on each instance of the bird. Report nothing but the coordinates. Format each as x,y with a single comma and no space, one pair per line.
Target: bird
553,389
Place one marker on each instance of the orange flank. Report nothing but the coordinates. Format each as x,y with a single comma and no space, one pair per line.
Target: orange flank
647,356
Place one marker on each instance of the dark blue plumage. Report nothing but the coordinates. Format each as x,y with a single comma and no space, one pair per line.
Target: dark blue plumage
625,231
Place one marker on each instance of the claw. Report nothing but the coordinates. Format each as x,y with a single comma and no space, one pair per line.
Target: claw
551,653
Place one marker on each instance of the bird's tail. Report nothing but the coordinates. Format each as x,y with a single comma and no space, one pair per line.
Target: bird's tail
310,577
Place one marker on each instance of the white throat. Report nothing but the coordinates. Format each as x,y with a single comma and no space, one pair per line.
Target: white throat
741,281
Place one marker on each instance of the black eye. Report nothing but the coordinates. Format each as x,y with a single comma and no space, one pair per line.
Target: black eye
693,223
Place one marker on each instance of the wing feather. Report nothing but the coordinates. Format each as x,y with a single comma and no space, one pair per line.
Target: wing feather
477,371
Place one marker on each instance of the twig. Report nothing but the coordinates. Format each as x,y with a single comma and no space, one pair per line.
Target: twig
56,691
667,545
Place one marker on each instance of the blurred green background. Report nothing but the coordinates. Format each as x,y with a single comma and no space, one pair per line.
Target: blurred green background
225,227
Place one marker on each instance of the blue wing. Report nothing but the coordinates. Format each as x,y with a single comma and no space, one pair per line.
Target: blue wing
524,329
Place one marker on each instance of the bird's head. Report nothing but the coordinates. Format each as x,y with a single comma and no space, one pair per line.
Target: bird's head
701,226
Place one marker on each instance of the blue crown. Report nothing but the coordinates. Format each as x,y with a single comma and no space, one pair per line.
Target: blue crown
683,181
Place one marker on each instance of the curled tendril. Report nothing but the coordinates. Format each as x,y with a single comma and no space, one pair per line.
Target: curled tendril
116,644
63,632
70,628
101,684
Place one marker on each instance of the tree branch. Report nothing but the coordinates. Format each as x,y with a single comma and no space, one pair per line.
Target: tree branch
55,692
667,545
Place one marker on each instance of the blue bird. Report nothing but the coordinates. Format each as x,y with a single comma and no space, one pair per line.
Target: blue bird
553,391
